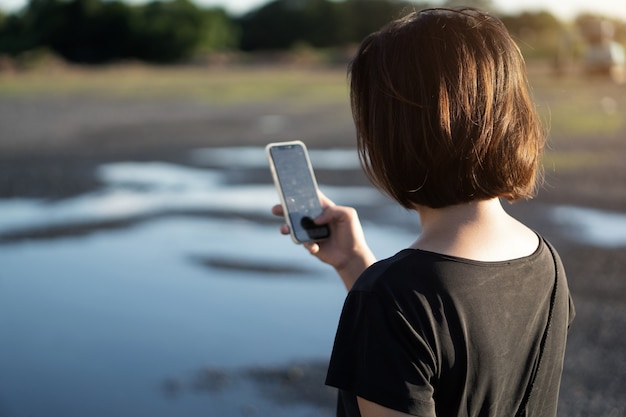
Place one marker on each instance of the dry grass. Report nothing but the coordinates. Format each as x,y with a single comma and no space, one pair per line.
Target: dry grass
576,110
216,85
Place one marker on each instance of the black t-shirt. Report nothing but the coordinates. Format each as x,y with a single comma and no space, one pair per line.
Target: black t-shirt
429,334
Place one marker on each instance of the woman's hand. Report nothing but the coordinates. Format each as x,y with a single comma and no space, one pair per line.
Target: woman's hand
345,249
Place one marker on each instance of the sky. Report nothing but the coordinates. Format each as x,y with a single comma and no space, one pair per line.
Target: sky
563,9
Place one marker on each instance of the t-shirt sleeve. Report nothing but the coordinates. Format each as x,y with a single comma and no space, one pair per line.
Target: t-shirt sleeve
379,356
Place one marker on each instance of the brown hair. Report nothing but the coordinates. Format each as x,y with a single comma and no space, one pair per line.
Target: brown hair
442,110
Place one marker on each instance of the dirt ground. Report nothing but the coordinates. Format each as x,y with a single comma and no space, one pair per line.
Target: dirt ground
50,145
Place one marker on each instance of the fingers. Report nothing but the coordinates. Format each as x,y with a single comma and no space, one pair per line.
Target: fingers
312,247
277,210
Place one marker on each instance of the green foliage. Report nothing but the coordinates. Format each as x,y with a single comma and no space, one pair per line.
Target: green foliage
96,31
538,22
363,17
167,31
538,34
481,4
218,33
14,38
281,24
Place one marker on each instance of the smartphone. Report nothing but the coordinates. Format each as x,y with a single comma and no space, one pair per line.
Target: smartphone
297,188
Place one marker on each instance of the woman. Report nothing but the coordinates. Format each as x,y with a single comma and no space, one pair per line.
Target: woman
472,318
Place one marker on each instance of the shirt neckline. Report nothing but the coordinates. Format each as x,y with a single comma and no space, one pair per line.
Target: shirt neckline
535,254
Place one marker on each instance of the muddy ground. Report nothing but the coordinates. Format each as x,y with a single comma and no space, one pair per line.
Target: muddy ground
49,147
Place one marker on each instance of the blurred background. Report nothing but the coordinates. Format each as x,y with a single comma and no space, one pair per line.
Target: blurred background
141,272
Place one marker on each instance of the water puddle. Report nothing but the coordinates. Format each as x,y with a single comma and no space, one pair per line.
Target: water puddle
191,274
133,190
591,227
340,159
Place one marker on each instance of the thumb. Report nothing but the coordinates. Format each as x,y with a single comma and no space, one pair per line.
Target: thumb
332,214
326,217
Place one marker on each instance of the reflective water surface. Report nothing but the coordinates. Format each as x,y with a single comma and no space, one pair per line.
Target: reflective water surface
115,299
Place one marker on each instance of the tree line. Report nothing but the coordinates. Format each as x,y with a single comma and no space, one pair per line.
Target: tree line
100,31
97,31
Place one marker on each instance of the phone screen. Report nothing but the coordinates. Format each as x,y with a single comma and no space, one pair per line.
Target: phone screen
299,191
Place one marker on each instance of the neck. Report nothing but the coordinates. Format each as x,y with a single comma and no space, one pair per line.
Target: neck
479,230
460,217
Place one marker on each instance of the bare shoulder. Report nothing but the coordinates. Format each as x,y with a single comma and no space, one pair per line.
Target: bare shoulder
517,241
503,241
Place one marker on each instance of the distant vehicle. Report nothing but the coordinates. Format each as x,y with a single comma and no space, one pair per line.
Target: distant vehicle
603,56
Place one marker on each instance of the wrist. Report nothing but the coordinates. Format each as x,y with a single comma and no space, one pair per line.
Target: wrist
351,270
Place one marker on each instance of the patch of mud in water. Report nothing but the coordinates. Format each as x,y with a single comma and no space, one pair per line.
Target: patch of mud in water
294,389
255,266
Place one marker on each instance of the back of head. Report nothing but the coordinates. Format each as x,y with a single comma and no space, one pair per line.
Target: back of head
442,110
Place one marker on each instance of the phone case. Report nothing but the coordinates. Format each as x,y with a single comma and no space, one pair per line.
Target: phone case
298,192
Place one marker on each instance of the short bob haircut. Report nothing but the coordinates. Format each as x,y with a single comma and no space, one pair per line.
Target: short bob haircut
442,110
